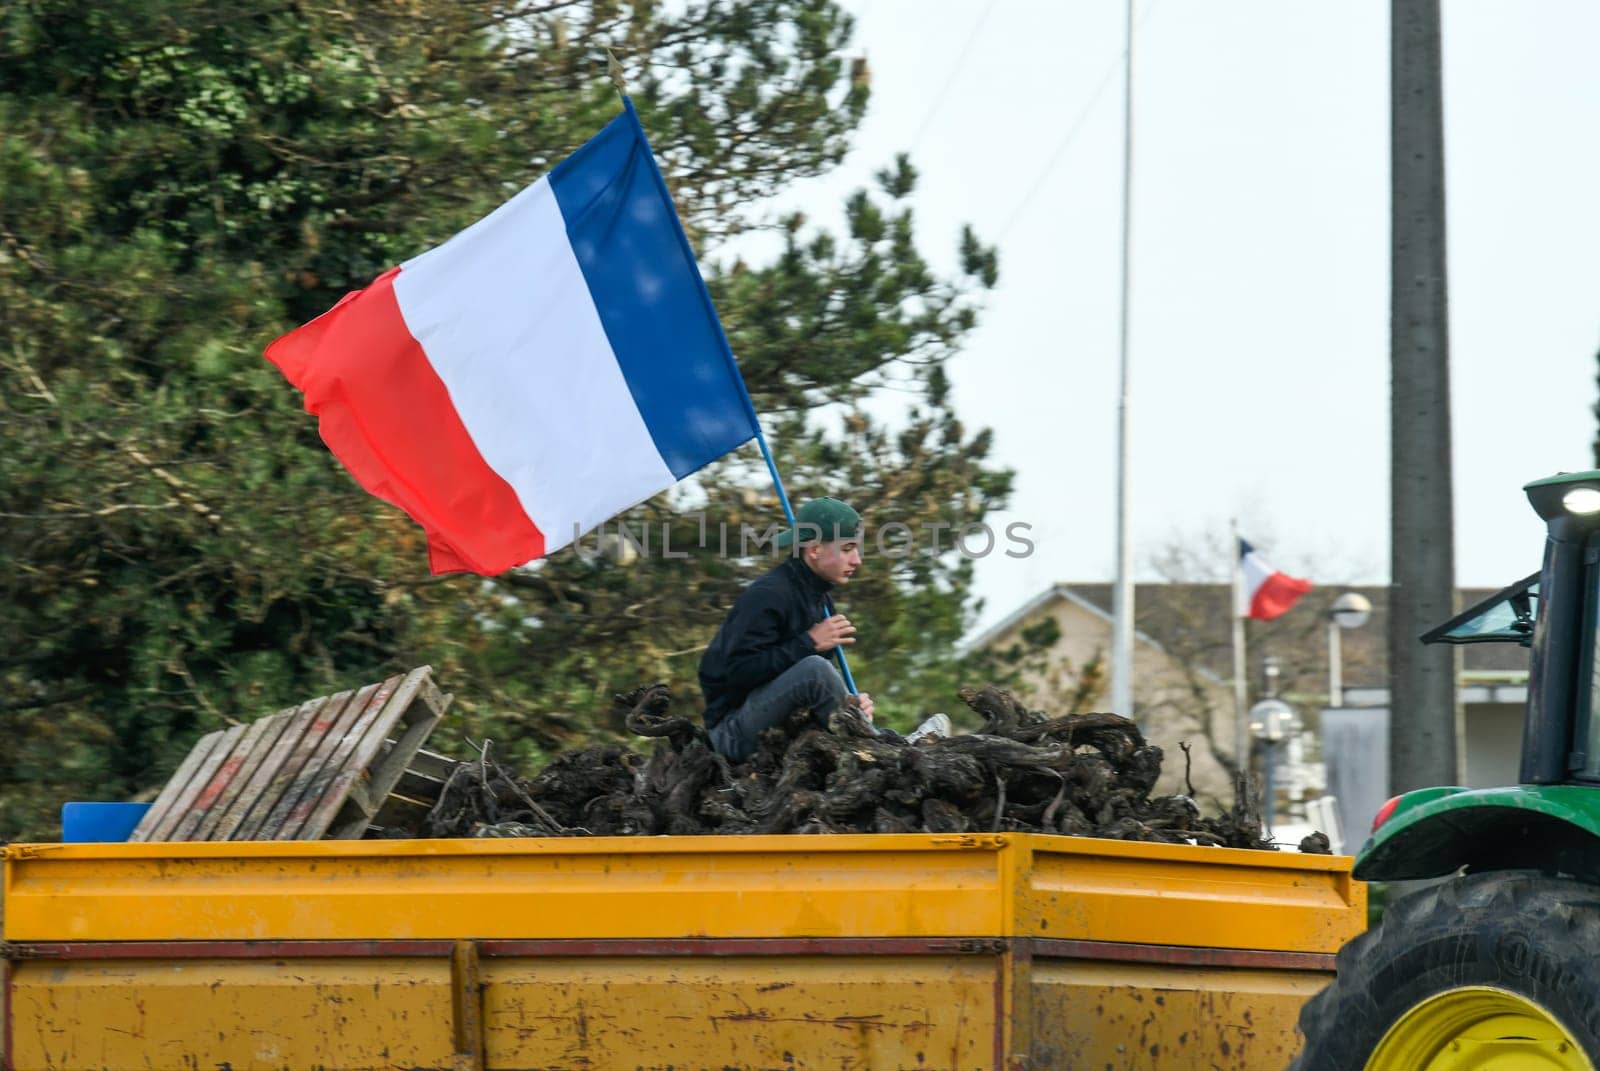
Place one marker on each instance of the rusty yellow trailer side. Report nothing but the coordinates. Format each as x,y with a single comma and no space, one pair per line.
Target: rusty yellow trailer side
973,952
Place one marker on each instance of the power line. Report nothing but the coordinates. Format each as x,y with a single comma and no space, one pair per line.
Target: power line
1072,133
944,91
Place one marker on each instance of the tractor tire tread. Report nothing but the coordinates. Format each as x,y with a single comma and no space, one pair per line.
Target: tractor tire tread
1383,972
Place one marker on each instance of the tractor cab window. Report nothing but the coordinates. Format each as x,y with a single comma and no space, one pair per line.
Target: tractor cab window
1505,617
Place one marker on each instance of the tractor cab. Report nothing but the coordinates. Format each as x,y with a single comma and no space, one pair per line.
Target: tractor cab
1499,965
1551,819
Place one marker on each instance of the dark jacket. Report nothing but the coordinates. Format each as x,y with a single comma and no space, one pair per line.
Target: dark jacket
763,635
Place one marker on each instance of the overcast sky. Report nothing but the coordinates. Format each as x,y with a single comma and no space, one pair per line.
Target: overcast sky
1260,266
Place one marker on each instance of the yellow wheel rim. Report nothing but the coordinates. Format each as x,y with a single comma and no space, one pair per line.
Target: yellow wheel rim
1478,1028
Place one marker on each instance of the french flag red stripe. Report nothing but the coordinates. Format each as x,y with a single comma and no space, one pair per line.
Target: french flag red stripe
1264,593
406,444
1276,595
548,367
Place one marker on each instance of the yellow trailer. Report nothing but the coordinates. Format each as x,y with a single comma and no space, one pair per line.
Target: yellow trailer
1002,952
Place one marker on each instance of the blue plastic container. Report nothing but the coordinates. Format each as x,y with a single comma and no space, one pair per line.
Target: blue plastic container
99,823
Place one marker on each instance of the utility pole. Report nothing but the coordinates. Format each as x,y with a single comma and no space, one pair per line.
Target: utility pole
1422,680
1122,593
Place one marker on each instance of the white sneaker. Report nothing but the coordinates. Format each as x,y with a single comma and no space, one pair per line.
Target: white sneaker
935,725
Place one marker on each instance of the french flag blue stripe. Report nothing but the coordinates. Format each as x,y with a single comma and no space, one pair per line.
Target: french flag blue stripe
551,365
651,298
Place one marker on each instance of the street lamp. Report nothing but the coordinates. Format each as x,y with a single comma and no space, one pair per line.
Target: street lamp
1348,611
1271,720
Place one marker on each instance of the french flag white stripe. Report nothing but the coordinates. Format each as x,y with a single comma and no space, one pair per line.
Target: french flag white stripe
1264,593
1253,573
507,321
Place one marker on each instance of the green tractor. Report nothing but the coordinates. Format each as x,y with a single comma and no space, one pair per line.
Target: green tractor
1496,968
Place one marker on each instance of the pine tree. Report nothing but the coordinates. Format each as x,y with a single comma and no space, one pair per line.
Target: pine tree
182,182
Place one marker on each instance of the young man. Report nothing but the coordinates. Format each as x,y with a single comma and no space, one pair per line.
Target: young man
771,658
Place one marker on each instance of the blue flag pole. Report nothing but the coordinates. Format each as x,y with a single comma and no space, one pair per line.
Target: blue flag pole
733,365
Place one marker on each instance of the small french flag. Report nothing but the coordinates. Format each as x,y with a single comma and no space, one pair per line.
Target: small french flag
550,366
1263,593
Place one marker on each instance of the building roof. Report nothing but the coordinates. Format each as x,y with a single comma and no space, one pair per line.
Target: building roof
1192,621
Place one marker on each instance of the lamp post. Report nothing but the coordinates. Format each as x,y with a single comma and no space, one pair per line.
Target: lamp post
1270,721
1348,611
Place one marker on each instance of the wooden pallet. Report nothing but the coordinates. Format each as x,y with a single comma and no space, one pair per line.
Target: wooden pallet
322,769
405,811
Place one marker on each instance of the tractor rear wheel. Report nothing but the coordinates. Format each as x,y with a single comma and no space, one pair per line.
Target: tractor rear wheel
1487,972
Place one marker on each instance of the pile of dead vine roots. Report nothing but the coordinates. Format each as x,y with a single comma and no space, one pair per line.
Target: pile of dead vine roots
1079,774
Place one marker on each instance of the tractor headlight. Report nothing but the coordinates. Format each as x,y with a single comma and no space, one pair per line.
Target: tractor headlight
1582,501
1569,502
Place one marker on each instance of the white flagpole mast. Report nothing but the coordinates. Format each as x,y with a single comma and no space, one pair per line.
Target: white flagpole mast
1241,728
1122,595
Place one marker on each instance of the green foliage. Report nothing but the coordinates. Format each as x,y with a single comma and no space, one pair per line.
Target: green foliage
182,182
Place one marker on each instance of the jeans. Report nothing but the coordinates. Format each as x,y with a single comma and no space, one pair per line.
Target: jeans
810,684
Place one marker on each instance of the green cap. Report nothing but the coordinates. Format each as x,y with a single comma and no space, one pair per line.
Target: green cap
822,520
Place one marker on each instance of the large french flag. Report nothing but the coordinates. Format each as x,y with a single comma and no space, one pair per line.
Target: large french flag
550,366
1263,592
